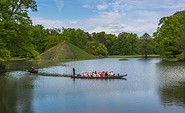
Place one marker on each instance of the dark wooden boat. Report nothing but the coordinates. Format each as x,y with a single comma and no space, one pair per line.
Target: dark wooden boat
35,71
104,77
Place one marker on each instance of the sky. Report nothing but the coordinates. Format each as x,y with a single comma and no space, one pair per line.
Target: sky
110,16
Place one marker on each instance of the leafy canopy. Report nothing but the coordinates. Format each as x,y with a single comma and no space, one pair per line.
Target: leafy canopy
170,36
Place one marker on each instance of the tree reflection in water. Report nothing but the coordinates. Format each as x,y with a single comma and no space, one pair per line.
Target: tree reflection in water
172,83
173,95
16,94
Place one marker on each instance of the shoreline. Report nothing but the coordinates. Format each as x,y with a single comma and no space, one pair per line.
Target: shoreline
132,56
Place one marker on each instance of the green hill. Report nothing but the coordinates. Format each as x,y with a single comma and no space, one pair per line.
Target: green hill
65,50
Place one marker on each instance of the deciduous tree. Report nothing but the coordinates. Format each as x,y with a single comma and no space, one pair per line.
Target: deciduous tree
170,36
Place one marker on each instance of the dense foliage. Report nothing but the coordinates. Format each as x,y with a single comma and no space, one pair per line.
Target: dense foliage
15,28
170,36
147,45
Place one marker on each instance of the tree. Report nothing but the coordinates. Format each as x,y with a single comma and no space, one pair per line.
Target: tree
127,43
90,47
146,45
40,37
75,36
3,51
109,43
15,26
100,37
16,10
101,49
170,36
96,48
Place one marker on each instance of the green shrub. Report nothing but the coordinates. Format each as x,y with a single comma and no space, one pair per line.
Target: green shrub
4,53
181,57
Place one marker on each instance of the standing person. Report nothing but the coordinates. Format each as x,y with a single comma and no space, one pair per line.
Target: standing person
73,71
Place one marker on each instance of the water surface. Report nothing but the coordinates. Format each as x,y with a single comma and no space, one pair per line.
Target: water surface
151,86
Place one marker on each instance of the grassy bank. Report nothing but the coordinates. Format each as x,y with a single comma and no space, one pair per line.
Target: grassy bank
170,59
80,55
15,59
133,56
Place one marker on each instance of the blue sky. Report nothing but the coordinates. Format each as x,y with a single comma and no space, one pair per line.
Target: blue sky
110,16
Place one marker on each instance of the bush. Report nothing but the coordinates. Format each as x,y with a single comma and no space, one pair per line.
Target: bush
4,53
35,55
181,57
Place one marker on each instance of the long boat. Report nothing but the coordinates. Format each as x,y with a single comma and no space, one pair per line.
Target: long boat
104,77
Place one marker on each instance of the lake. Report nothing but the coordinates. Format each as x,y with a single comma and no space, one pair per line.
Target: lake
152,86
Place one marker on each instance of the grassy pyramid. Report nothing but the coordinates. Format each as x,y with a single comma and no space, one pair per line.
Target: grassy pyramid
65,50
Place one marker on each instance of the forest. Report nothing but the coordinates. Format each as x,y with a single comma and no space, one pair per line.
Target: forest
20,38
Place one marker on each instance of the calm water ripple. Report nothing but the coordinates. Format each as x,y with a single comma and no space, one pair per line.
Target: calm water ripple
151,86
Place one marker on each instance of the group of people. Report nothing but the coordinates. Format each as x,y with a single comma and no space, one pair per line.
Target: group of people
94,73
97,74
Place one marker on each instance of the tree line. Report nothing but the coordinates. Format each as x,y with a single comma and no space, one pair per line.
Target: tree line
19,38
108,44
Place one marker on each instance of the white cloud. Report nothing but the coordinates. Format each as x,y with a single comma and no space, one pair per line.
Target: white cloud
73,22
48,23
120,16
103,6
174,4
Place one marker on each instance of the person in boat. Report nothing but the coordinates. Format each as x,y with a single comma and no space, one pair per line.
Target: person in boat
106,73
96,74
89,74
111,73
73,71
85,74
82,73
99,74
102,74
93,74
33,69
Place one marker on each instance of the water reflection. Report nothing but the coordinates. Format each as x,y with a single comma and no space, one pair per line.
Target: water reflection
2,68
173,95
16,93
22,65
8,96
172,83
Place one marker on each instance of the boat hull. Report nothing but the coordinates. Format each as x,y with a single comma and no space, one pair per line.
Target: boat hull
36,71
104,77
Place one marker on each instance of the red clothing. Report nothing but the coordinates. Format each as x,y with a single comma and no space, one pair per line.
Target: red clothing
33,69
102,74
